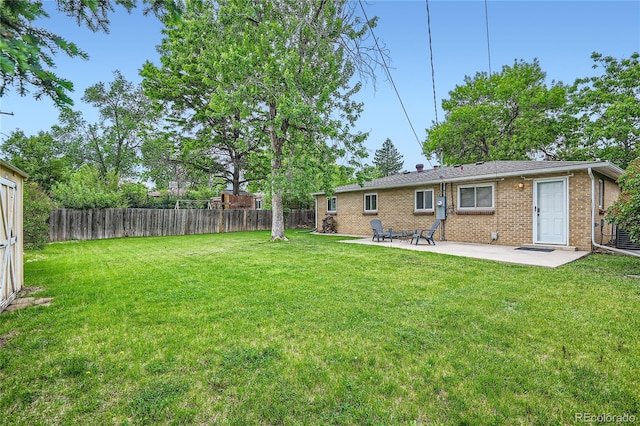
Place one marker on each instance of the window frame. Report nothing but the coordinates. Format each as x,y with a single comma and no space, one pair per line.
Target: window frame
475,196
332,200
415,200
364,202
601,193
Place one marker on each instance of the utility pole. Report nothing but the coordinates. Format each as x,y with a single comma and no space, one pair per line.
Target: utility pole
5,113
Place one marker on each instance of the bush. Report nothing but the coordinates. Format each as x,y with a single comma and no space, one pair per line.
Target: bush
136,194
36,210
625,212
87,189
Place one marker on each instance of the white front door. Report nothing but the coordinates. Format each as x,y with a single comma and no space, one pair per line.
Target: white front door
550,218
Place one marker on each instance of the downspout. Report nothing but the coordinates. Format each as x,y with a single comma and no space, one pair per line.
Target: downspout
316,211
443,193
593,221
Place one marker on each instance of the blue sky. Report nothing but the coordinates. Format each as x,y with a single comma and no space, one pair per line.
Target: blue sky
560,34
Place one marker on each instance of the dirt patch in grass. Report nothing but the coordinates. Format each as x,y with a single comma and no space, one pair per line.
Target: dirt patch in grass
25,299
28,291
4,339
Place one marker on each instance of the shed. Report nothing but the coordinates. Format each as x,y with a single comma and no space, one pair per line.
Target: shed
11,232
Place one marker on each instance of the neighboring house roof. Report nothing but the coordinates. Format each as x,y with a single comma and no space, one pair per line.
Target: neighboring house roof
482,171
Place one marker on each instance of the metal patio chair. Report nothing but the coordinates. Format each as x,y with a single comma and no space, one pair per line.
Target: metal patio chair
426,234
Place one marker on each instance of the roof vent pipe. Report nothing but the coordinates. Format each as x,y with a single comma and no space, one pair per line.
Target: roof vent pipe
419,167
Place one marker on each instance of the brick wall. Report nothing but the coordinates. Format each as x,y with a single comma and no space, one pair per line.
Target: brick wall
580,222
512,217
395,210
611,193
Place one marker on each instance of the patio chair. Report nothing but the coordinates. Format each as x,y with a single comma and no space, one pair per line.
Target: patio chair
426,234
379,232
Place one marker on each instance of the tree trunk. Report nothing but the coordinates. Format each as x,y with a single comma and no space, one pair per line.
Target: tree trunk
277,219
236,179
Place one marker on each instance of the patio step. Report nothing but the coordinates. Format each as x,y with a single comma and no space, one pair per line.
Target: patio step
550,246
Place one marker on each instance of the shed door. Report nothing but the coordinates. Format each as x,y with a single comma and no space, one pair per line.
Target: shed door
550,212
8,285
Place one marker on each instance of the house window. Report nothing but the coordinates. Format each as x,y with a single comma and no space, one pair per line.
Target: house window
370,203
476,197
332,204
258,204
601,193
424,200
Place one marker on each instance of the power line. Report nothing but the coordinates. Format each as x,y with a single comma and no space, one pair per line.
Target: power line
486,20
433,73
386,68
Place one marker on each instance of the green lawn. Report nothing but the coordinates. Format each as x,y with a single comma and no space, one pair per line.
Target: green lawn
232,329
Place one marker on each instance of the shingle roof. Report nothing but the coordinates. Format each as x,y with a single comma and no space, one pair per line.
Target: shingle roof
480,171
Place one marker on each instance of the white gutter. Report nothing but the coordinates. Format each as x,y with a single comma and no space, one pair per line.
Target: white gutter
593,221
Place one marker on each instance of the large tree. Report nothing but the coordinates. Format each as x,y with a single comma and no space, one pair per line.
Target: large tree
511,115
27,51
604,112
387,159
296,59
112,144
42,157
213,118
285,69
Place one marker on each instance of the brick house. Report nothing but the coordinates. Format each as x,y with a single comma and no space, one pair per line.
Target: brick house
558,203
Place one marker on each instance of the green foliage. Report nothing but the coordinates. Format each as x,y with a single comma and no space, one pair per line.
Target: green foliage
625,212
225,145
168,157
135,194
289,201
164,162
202,193
387,159
40,156
89,189
506,116
269,82
603,112
346,175
37,206
27,52
112,145
514,116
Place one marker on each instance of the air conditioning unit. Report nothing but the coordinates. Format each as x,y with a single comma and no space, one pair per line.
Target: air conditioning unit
624,242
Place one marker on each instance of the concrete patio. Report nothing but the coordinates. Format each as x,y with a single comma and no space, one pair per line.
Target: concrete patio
509,254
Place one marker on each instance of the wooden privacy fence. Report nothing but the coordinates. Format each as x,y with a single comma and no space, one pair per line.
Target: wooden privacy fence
94,224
